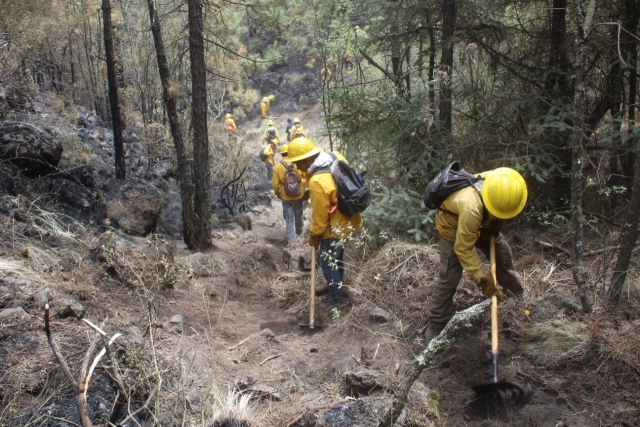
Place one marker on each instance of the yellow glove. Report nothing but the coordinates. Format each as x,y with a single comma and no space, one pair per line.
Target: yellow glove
314,242
490,288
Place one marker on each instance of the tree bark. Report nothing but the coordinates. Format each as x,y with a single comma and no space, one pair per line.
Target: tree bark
446,65
202,193
580,273
114,102
628,237
184,169
432,64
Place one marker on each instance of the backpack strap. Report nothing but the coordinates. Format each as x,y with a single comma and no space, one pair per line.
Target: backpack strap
286,166
471,184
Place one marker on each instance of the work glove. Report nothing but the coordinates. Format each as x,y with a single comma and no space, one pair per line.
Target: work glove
314,242
490,288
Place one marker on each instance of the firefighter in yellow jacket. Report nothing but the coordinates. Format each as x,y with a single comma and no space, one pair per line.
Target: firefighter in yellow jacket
466,220
328,225
271,138
265,105
229,124
290,193
296,130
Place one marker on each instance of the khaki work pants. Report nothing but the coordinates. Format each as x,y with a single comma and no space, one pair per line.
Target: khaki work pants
441,305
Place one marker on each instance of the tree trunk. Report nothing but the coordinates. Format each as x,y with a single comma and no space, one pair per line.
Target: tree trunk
628,238
114,102
580,273
184,171
432,64
202,193
446,64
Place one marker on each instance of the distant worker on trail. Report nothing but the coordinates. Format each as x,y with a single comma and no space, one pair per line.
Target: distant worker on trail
296,130
288,129
271,138
288,185
229,124
328,224
326,74
265,105
466,220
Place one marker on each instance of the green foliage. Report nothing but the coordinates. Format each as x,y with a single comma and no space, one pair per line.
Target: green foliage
399,210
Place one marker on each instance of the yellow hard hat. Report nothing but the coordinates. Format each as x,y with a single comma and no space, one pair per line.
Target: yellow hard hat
284,149
301,148
270,123
296,120
272,97
504,193
227,116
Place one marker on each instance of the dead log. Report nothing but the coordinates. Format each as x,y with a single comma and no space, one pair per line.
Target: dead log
427,357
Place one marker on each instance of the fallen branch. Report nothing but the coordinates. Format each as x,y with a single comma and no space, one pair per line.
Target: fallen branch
81,398
552,246
567,303
243,341
427,357
271,357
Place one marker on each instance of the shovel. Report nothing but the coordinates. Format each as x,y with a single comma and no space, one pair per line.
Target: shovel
505,390
312,297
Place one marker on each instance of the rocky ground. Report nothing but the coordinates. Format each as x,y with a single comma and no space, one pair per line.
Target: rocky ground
197,328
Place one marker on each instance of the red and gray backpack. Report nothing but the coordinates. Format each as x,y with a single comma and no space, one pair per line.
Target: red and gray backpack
291,180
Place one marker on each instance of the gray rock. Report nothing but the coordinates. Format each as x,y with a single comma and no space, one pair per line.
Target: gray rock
68,307
32,148
41,297
363,381
407,330
135,205
304,261
378,315
17,311
176,323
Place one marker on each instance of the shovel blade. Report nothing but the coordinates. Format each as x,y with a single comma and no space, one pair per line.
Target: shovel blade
501,391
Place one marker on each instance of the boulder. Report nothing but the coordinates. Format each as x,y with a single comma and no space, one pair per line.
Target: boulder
135,205
243,220
69,307
363,381
32,148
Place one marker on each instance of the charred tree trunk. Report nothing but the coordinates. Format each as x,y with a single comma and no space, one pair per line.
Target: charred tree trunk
628,238
184,170
202,193
116,120
432,64
580,273
446,65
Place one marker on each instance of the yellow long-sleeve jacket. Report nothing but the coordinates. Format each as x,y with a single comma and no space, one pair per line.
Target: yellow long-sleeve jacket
323,196
230,125
265,135
460,219
268,152
277,182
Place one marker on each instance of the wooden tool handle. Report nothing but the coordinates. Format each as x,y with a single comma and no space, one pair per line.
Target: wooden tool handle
312,297
494,299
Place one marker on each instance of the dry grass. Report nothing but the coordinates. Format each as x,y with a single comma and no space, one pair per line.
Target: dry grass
555,342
